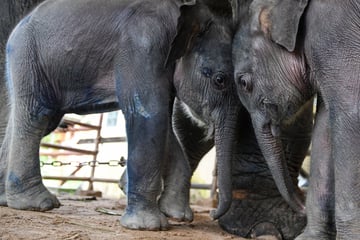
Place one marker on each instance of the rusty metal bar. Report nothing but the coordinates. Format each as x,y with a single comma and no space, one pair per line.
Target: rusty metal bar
201,186
73,129
97,142
56,154
57,146
90,126
76,178
108,180
102,140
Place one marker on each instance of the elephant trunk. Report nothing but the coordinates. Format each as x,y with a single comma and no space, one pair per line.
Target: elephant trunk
224,142
272,149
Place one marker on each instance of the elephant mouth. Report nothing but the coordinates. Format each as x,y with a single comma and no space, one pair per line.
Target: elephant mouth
275,130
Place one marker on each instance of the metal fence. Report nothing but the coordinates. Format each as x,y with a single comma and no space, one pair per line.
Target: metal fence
57,150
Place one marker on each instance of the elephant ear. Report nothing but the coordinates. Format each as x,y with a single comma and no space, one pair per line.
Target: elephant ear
282,21
188,26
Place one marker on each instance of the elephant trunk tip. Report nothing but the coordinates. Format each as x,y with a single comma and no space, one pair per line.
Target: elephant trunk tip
298,204
301,210
214,214
220,211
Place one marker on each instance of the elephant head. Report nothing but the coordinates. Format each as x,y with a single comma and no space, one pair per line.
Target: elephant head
205,49
271,78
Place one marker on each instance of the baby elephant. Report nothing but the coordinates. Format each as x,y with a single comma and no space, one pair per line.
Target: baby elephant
90,56
287,51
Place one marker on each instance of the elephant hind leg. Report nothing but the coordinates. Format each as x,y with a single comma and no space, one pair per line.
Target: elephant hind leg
29,121
24,186
320,200
187,151
3,172
174,200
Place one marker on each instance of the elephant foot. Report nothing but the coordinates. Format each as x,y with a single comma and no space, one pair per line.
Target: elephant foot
176,207
262,216
3,201
310,235
178,213
265,230
140,218
34,197
2,196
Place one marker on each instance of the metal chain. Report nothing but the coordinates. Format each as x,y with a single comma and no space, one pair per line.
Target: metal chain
112,163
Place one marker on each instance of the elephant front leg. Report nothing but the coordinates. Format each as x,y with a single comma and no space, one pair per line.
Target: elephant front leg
320,197
4,114
345,141
146,152
184,157
174,200
24,186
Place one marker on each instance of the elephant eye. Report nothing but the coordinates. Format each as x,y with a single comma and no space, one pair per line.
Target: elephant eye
220,81
243,80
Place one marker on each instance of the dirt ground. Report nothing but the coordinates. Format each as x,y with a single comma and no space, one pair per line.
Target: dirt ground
80,219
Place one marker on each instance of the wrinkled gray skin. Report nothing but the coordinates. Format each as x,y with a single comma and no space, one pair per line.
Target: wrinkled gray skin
258,208
90,56
267,117
296,49
263,211
206,99
210,102
11,12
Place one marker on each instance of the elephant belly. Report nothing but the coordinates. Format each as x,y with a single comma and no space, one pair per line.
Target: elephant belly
88,94
98,103
99,107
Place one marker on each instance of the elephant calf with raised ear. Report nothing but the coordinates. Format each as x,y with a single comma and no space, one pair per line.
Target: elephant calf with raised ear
90,56
285,52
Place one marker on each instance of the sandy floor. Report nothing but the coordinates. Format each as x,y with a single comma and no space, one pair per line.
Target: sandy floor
82,220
